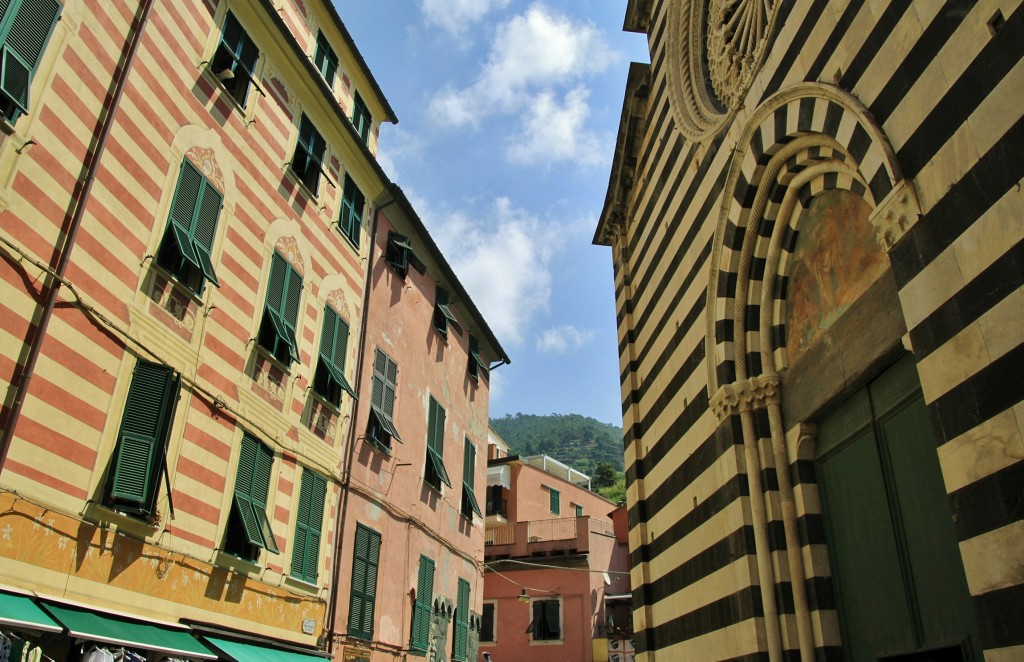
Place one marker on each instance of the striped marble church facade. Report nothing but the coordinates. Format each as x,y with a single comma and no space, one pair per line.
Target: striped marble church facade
815,219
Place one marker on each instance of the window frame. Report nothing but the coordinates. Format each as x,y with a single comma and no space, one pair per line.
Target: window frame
493,604
363,602
476,364
469,502
278,330
397,252
419,639
548,637
310,151
350,216
142,440
186,250
554,501
325,59
309,520
329,379
443,315
248,522
434,471
362,120
381,429
241,68
17,102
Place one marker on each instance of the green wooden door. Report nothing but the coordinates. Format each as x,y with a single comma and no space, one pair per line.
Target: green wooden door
897,572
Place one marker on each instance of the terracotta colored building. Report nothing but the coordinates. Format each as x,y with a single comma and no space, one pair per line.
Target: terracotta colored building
186,189
553,563
815,215
410,577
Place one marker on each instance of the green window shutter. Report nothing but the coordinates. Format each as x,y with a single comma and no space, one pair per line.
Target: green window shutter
309,154
195,210
383,386
333,346
477,364
324,58
579,510
284,293
361,118
554,497
421,611
204,228
461,645
469,502
436,473
25,27
252,484
350,222
308,523
443,315
143,435
397,253
362,603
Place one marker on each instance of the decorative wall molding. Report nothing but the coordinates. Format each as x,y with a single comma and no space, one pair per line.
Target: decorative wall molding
896,214
745,395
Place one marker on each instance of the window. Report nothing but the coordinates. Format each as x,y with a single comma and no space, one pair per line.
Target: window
487,623
435,473
234,62
306,549
397,253
477,365
579,509
469,504
443,316
307,164
383,387
547,620
364,583
191,226
329,379
281,311
554,498
420,641
142,439
350,222
248,527
361,119
25,27
460,647
325,59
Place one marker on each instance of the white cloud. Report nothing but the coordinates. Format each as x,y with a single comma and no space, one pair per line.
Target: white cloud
503,262
556,132
560,339
456,16
534,55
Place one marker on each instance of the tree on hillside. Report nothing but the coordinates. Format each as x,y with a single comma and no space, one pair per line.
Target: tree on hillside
604,475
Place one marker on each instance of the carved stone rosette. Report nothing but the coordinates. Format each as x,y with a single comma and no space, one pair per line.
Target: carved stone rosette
745,395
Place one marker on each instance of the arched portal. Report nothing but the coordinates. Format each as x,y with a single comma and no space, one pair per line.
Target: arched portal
801,301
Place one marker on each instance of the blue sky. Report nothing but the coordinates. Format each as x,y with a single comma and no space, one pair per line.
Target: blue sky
508,113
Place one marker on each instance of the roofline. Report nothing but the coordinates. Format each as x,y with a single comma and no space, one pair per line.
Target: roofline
446,270
340,24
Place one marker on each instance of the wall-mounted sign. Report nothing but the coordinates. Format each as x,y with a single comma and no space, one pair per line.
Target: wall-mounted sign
308,626
355,655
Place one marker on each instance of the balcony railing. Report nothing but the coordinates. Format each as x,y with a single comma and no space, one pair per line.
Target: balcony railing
563,535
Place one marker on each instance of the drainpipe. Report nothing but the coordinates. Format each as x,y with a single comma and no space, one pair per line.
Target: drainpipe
346,470
77,211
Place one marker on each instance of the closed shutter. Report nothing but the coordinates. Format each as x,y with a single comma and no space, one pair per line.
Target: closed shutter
352,202
421,612
461,647
365,561
308,526
145,425
25,27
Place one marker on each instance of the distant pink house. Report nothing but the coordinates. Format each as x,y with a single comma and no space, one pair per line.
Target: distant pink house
556,585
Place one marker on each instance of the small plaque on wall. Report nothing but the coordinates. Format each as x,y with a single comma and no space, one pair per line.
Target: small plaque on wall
308,626
355,655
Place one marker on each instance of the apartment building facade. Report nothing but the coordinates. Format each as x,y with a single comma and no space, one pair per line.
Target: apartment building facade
814,216
186,190
410,580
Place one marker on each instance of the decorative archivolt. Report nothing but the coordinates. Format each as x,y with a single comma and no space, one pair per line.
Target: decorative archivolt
714,49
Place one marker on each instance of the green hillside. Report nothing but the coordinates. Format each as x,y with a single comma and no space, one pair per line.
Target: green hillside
579,441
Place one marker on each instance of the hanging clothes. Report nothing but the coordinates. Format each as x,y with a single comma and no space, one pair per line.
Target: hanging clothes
97,654
5,647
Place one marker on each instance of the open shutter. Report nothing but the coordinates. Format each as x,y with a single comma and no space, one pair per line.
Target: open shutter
293,294
352,202
333,346
435,441
25,27
183,210
204,228
143,432
554,629
255,464
284,291
468,477
260,488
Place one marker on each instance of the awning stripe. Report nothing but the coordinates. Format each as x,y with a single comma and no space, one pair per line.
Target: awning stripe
21,611
239,652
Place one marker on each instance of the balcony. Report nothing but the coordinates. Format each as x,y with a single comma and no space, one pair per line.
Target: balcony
567,535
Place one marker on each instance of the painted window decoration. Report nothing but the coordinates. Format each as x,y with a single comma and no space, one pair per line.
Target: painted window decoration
477,365
350,221
248,528
487,621
325,59
25,27
434,472
554,499
361,118
546,624
307,163
329,379
186,249
281,312
469,503
444,318
383,387
419,642
308,522
140,456
234,62
362,602
460,647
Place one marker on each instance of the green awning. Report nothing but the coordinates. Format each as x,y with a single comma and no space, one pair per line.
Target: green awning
249,653
20,611
106,629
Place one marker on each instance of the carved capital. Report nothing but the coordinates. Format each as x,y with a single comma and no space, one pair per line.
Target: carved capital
745,395
895,214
